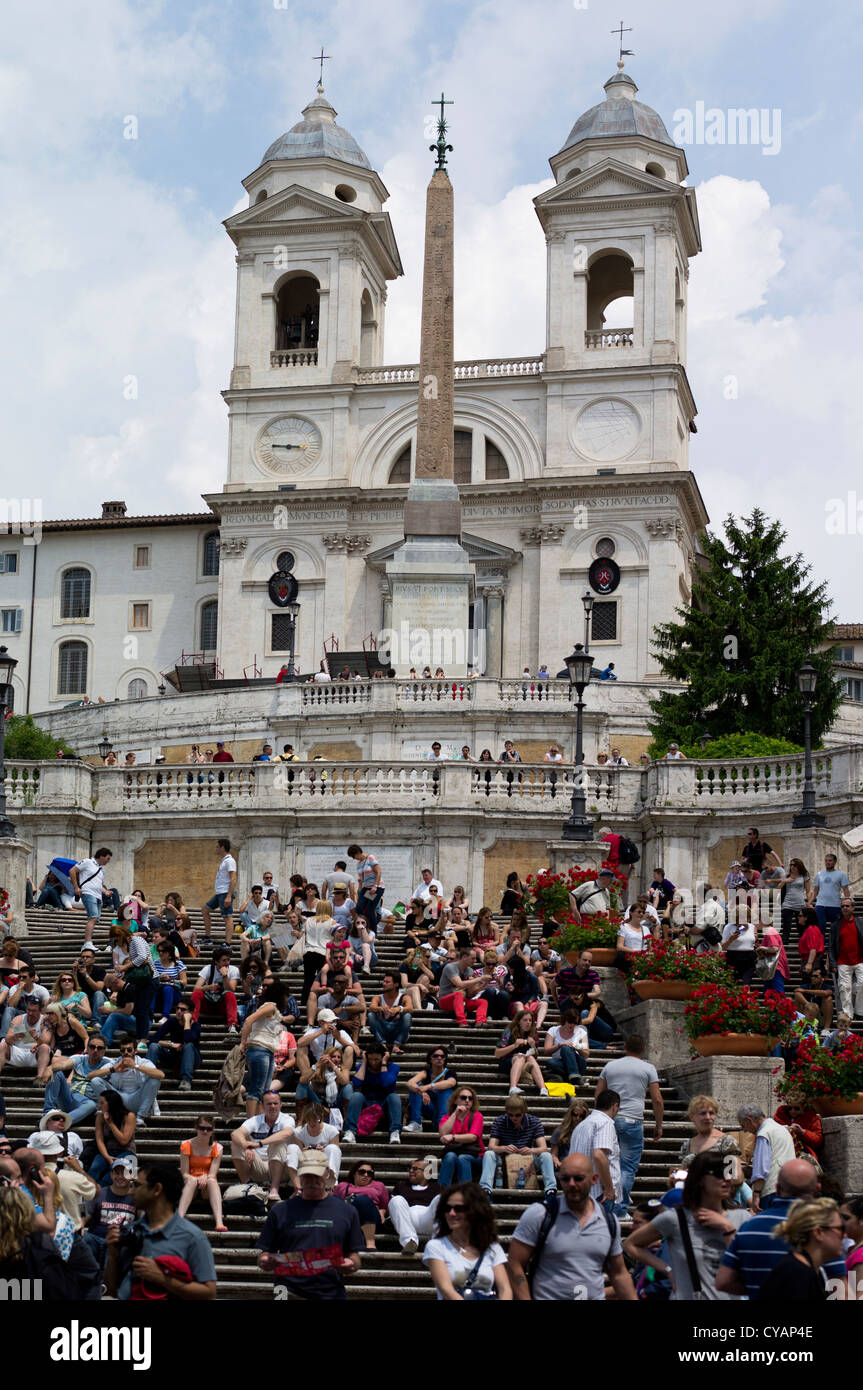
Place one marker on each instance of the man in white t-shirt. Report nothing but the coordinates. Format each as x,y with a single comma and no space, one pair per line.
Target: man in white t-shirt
739,940
88,879
223,898
259,1146
596,1138
632,1078
425,886
322,675
567,1048
28,1042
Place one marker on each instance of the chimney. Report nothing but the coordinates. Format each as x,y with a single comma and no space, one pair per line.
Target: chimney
111,510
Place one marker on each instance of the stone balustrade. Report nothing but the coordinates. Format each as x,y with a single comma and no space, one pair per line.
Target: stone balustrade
609,338
294,357
464,371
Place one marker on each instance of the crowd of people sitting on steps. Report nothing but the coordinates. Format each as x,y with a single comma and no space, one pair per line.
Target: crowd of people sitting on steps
316,1060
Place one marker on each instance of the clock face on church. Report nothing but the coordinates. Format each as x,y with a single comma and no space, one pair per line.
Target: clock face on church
606,430
288,445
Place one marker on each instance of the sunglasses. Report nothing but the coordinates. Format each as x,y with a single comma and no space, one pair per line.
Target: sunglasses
452,1207
204,1129
469,1098
96,1047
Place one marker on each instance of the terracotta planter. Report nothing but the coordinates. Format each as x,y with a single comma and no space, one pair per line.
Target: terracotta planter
734,1045
663,989
840,1107
602,955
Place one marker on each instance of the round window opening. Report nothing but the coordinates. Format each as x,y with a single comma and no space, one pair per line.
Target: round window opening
605,547
345,193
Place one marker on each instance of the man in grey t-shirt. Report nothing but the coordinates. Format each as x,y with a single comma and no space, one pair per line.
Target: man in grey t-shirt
632,1077
341,877
580,1250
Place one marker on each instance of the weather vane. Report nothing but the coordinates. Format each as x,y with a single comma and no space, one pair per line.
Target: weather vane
441,147
624,52
322,58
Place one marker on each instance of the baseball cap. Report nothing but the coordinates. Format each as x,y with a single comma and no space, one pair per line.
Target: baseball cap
606,873
325,1016
129,1164
312,1161
220,743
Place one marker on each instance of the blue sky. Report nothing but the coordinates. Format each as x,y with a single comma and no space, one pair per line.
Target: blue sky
116,265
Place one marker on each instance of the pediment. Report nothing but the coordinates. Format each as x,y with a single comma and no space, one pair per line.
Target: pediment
480,552
293,204
610,178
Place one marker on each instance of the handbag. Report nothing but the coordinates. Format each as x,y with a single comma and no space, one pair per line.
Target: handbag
370,1118
468,1290
698,1294
296,952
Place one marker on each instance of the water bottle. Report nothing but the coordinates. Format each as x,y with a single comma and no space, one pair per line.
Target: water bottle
519,1182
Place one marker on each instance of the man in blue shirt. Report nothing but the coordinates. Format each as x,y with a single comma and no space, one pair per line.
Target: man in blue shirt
826,892
374,1084
754,1251
88,1074
158,1233
608,673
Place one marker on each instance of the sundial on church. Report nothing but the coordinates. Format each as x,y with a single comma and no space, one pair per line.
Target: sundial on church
606,430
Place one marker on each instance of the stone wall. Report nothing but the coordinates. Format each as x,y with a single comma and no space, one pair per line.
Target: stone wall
505,856
183,866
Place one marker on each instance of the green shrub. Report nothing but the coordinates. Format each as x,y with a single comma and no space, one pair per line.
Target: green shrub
24,739
736,746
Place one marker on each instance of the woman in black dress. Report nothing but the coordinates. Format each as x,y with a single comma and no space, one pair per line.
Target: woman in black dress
815,1231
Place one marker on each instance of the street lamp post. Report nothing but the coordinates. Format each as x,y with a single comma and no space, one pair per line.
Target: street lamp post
7,666
105,747
293,609
807,678
579,826
588,601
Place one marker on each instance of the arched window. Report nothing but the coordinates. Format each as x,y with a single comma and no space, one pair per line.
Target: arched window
495,464
462,446
137,690
75,594
72,670
211,554
209,625
401,469
368,327
610,301
297,312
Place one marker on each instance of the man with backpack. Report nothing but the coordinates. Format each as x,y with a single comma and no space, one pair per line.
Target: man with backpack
563,1250
622,852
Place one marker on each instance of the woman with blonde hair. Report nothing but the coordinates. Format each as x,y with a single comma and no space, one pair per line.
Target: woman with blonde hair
316,933
815,1232
74,1001
702,1114
562,1136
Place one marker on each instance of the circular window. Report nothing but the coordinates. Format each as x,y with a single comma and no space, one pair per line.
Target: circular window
285,562
605,547
345,192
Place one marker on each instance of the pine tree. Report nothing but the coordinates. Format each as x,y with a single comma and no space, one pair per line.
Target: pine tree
753,621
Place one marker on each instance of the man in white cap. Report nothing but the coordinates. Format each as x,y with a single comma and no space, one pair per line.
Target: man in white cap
57,1122
114,1206
590,898
312,1241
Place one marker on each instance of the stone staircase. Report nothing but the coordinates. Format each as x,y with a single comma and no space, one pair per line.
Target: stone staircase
385,1272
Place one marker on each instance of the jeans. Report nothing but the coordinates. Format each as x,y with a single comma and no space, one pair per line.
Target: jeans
459,1167
101,1167
162,1057
368,905
600,1034
391,1032
568,1064
112,896
6,1016
92,906
825,916
99,998
392,1107
142,1098
305,1092
50,897
165,997
116,1023
260,1063
541,1162
145,993
630,1137
60,1096
365,1209
436,1111
456,1003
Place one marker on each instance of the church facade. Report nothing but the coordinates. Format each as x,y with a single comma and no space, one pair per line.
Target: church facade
576,455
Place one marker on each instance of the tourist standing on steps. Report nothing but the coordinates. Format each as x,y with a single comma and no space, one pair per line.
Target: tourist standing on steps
579,1244
596,1138
464,1258
299,1237
87,877
371,887
826,890
632,1077
223,897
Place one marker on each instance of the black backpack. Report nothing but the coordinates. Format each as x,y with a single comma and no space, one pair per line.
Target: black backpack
628,852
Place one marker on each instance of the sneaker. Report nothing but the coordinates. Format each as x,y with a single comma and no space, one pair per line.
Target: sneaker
349,1137
429,1008
185,1086
414,1127
233,1030
156,1112
515,1091
544,1091
395,1137
550,1192
486,1190
411,1248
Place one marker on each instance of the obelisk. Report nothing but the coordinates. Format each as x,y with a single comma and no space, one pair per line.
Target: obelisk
431,577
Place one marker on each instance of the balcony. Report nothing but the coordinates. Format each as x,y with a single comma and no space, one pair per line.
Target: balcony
294,357
609,338
480,369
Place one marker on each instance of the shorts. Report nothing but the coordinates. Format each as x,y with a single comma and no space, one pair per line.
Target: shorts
92,905
217,902
21,1056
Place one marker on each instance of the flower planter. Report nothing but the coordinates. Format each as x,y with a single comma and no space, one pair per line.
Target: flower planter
734,1045
663,989
602,955
840,1107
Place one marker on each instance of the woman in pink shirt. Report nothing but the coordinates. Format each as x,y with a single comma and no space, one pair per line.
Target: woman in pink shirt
461,1136
851,1212
369,1196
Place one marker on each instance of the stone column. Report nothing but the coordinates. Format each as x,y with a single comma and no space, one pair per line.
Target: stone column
493,630
14,854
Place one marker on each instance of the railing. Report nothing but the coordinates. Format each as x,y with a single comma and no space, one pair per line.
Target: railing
230,784
294,357
432,692
22,783
758,780
534,692
463,371
336,693
609,338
